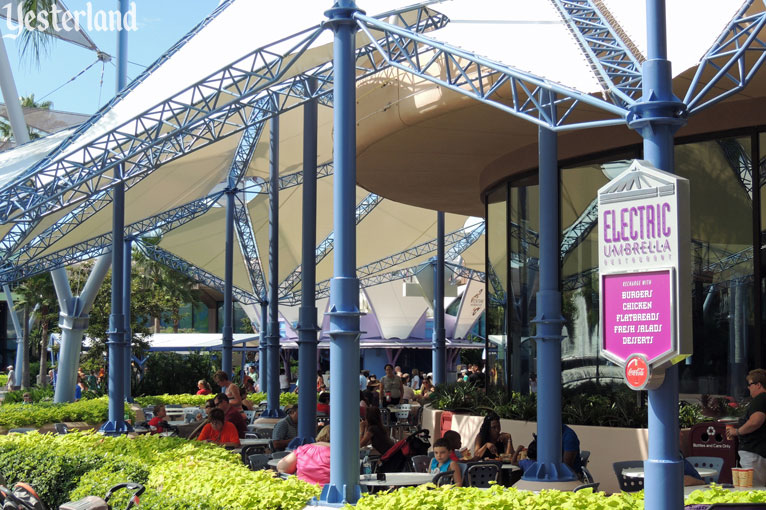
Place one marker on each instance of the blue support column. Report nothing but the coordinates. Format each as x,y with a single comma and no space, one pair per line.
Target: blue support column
307,318
272,347
126,278
439,353
549,466
657,117
262,344
116,344
344,286
228,310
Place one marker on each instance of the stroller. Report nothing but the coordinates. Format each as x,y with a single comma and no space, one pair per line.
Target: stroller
397,458
24,497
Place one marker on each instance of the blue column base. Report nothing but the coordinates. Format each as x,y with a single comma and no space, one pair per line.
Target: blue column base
549,472
300,441
661,484
273,413
115,428
340,495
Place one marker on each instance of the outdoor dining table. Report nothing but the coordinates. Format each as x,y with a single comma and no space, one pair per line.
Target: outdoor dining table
265,423
638,472
273,463
396,480
254,441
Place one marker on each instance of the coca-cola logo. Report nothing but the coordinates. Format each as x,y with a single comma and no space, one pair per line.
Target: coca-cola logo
636,372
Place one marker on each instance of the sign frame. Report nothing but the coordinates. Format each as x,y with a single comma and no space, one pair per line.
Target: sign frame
644,223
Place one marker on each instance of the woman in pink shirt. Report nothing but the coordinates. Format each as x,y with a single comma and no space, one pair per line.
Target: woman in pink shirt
310,462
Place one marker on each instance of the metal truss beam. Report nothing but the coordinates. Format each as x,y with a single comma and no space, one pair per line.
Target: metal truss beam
733,60
459,247
579,230
616,66
176,263
91,248
524,235
364,208
262,81
482,79
579,280
739,161
242,224
370,270
247,245
462,272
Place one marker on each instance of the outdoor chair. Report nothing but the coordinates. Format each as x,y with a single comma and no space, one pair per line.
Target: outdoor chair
250,416
420,463
61,428
444,478
708,462
263,433
584,459
481,473
279,455
628,484
258,461
593,486
21,430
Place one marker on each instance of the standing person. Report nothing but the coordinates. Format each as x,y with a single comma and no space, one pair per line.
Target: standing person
391,391
252,373
321,386
363,379
284,382
408,393
11,378
415,381
752,433
398,371
231,390
476,376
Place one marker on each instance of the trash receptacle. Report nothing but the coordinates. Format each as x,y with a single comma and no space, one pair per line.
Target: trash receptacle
709,440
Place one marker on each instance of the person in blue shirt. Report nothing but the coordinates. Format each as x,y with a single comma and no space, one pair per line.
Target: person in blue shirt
570,446
441,463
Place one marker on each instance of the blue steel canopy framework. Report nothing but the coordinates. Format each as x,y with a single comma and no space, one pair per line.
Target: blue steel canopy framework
261,81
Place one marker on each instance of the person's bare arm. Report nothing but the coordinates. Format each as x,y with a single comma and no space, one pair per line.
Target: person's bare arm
755,422
506,438
288,464
457,475
516,453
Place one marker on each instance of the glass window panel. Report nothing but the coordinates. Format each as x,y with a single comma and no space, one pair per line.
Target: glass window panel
497,276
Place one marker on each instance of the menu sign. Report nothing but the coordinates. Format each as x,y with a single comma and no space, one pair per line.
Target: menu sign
638,317
644,267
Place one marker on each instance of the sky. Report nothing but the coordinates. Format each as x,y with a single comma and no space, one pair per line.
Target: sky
159,23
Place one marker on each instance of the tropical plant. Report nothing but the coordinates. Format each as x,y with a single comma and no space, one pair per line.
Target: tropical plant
39,290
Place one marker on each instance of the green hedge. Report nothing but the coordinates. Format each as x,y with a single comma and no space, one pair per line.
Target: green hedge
3,379
22,415
199,400
501,498
179,474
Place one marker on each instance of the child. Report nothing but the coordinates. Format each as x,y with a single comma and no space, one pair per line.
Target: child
441,462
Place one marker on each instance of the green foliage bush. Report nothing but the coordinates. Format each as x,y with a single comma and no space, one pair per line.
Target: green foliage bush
90,411
187,400
171,373
589,404
37,393
179,474
3,379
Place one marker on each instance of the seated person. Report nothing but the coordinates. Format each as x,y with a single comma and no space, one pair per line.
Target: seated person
232,414
323,403
209,406
246,404
570,455
408,394
457,452
441,463
490,443
310,462
285,429
372,431
219,431
160,418
203,387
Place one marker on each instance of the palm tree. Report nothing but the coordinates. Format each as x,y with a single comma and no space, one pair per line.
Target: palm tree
39,290
37,42
6,133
